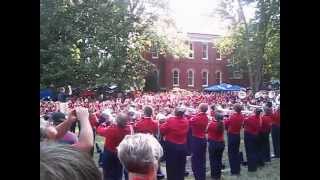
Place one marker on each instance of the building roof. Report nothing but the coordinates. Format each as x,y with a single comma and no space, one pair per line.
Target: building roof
203,37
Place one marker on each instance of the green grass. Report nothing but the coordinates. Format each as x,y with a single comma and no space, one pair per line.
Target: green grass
270,171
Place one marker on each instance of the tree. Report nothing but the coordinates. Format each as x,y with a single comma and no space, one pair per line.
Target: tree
93,42
254,44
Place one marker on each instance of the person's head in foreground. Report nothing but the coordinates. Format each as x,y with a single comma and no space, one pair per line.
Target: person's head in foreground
267,110
179,112
122,120
257,111
147,111
237,108
63,162
203,107
139,154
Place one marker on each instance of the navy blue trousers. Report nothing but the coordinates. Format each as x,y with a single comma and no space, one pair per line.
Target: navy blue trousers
265,147
189,141
251,146
233,152
126,175
215,156
112,168
260,161
163,144
198,157
275,133
175,160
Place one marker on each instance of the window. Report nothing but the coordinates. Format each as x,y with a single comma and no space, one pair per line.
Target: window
175,77
156,73
237,75
218,77
154,50
191,54
190,78
205,51
205,78
218,55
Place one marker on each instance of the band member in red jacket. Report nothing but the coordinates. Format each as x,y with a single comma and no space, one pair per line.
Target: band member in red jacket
198,126
175,131
112,168
216,145
275,133
148,126
188,115
251,132
233,126
265,128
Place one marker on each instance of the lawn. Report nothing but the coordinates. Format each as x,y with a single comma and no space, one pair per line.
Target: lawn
271,171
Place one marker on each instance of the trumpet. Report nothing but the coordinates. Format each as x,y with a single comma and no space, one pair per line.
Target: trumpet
258,95
247,112
254,106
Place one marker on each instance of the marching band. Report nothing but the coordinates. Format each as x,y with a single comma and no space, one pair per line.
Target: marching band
188,131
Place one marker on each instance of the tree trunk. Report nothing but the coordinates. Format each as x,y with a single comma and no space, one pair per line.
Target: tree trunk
250,69
251,77
259,74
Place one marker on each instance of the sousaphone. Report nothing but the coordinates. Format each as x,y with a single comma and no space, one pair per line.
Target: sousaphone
242,94
271,94
278,100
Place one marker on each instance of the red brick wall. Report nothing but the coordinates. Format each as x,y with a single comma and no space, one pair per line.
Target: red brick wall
166,64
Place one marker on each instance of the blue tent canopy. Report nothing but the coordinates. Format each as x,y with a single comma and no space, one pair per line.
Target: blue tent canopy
46,93
223,87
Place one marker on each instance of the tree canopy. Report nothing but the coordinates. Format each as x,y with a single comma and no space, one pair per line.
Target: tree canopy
253,45
92,42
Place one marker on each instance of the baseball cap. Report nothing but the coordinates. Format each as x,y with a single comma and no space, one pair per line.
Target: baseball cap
57,117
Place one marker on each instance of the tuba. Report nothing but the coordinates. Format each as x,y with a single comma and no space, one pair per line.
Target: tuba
271,94
278,100
258,95
242,94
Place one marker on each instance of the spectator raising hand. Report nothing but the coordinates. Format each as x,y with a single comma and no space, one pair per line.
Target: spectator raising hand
85,142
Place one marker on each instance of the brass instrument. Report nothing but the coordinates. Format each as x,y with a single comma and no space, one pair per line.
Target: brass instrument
242,94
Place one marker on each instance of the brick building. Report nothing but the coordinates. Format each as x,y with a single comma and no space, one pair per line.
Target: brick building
203,67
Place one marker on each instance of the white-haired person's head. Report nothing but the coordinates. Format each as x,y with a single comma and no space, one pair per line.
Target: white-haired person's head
63,162
121,120
139,154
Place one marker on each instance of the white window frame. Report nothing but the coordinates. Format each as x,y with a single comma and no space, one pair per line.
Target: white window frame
207,49
190,85
173,70
156,51
218,58
207,78
192,50
220,79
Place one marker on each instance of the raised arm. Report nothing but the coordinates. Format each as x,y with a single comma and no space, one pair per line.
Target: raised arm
65,126
85,142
